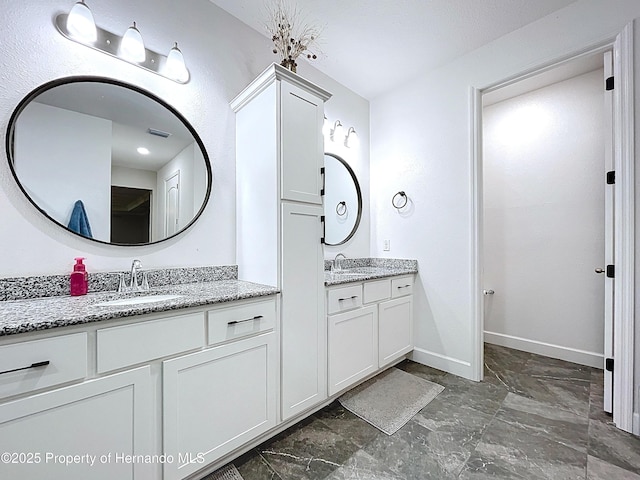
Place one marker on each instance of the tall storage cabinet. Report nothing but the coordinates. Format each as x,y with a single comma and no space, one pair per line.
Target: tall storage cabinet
279,218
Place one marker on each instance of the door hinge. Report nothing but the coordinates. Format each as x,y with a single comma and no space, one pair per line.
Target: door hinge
608,364
324,233
611,271
323,180
611,177
608,84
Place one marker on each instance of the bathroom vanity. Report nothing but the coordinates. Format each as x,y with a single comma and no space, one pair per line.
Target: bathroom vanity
173,383
155,395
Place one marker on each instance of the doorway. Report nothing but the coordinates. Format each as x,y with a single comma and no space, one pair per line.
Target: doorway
624,222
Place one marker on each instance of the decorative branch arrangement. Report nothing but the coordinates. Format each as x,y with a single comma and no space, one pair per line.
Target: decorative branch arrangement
290,34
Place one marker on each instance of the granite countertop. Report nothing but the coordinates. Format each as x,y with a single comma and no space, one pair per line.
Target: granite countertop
363,273
19,316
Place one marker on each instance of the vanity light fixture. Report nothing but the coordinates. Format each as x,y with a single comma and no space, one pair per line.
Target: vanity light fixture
80,23
175,67
338,131
352,139
132,46
80,27
326,127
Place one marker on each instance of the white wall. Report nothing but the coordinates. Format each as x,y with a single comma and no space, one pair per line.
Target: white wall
543,172
223,55
421,143
64,156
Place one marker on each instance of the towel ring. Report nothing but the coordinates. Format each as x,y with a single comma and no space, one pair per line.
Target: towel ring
341,208
402,202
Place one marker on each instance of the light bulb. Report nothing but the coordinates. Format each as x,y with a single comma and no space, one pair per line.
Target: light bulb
80,23
132,46
337,134
175,67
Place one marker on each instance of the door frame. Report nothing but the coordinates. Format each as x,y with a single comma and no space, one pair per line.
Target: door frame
623,321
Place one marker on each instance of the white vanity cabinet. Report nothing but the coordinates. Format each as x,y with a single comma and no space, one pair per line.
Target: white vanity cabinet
103,421
154,397
370,326
220,398
279,218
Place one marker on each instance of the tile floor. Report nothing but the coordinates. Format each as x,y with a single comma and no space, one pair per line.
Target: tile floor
531,418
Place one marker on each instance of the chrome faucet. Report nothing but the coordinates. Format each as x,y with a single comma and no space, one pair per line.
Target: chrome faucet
337,266
134,285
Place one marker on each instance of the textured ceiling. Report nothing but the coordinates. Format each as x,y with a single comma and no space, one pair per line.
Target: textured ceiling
372,46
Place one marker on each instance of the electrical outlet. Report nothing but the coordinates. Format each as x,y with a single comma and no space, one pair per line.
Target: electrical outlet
386,245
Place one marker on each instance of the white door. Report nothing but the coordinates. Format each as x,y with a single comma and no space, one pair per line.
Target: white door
172,204
102,421
302,116
304,325
608,237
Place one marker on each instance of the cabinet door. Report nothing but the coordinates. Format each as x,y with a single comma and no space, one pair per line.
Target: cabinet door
396,329
302,115
216,400
104,422
353,347
304,332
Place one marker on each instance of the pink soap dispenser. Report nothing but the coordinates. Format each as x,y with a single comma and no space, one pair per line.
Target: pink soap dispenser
79,282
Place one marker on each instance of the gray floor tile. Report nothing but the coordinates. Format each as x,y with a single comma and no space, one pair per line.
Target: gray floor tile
544,367
501,358
347,425
538,418
363,466
309,450
506,451
422,371
416,453
600,470
612,445
252,466
482,396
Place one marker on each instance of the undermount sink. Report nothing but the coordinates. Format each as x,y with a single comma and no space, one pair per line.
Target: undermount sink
136,300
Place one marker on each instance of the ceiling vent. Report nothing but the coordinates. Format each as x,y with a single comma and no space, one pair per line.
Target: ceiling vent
158,133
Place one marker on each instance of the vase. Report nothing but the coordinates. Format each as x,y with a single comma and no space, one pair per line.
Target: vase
289,64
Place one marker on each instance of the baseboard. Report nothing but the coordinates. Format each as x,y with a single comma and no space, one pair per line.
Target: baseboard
442,362
574,355
636,424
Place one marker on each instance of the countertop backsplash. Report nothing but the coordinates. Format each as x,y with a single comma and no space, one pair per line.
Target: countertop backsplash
21,288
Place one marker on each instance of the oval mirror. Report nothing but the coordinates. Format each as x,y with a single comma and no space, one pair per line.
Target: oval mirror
342,201
108,161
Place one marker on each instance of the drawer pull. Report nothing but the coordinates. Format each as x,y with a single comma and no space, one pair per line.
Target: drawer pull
257,317
403,286
348,298
33,365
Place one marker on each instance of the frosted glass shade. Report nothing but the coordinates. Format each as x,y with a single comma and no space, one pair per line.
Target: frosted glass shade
352,140
132,46
80,23
338,132
175,67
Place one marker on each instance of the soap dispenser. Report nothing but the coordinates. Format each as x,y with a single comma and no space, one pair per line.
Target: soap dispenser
79,281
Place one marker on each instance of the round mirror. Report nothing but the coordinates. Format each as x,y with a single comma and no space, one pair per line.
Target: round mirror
108,161
342,200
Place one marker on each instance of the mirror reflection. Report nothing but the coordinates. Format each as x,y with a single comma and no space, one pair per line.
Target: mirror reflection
108,161
342,201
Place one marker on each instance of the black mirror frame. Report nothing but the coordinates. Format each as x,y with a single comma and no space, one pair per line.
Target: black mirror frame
96,79
358,193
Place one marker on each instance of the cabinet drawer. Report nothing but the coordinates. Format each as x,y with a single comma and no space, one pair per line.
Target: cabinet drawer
343,299
401,286
67,357
120,347
236,322
377,291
